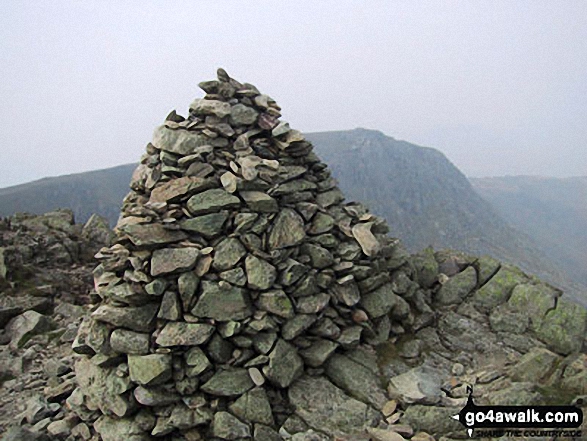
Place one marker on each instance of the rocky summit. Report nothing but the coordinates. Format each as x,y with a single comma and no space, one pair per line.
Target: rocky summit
242,298
240,291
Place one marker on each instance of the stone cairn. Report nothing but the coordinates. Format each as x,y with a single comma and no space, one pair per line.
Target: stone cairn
237,271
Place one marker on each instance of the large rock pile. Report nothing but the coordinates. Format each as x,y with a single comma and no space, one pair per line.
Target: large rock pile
240,291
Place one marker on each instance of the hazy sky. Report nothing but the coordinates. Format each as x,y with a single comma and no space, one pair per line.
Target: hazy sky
499,86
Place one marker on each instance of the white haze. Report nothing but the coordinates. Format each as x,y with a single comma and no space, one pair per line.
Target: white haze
499,86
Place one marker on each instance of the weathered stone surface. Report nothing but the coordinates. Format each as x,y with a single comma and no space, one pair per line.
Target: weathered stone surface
20,329
259,201
184,334
457,288
197,361
356,380
152,234
211,201
229,427
369,243
320,257
285,365
253,407
129,342
535,366
222,303
103,387
180,142
418,385
169,260
287,231
380,302
342,415
208,225
149,369
153,396
210,107
431,419
296,325
534,301
276,302
228,253
229,383
172,191
260,274
138,318
318,352
564,327
241,115
499,289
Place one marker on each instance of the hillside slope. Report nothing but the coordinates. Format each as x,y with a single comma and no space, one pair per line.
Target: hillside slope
553,211
99,191
428,201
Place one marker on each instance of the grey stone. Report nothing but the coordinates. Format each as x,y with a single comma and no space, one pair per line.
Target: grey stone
184,334
260,274
276,302
285,365
154,396
30,323
457,288
111,429
197,361
176,189
187,284
152,234
129,342
229,383
211,201
499,288
103,387
222,303
564,327
138,318
229,427
180,142
170,260
312,304
317,354
253,407
356,380
296,325
287,231
432,419
234,276
241,115
327,409
210,107
149,369
228,253
379,302
259,201
170,307
208,225
320,258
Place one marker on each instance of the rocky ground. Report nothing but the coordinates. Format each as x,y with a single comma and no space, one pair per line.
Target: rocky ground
524,348
46,265
241,298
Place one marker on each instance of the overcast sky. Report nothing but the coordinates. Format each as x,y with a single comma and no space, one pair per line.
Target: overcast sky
499,86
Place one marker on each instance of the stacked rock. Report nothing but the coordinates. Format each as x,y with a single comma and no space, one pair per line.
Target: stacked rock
236,270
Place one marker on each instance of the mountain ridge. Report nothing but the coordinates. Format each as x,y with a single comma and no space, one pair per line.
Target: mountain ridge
425,198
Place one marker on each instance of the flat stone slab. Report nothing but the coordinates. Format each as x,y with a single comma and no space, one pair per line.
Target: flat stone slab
326,408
